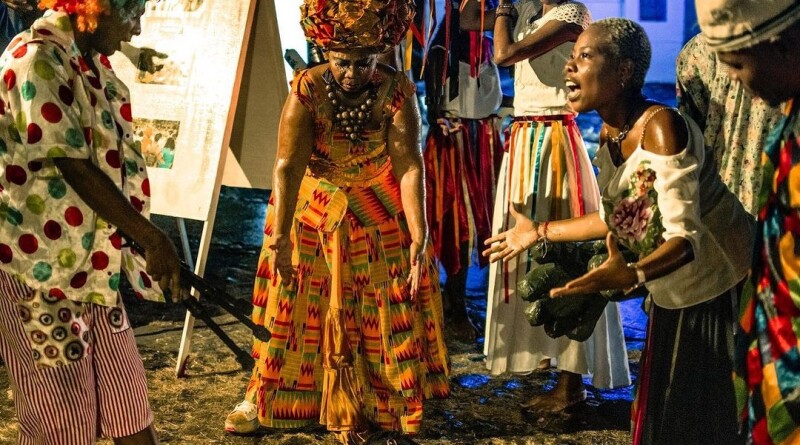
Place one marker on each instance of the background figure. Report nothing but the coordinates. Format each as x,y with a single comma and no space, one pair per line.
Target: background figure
346,282
735,124
546,175
66,195
463,152
18,15
758,42
663,200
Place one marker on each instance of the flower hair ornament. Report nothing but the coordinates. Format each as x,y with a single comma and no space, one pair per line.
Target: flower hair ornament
378,24
87,11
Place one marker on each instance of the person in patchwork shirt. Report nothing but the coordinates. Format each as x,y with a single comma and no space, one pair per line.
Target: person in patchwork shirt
71,183
759,42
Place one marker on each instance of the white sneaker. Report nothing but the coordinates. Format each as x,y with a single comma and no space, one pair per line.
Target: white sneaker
243,419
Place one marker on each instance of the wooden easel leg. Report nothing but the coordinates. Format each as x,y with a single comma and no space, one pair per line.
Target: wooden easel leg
188,323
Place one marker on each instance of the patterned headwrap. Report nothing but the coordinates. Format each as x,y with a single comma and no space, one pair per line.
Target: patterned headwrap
379,24
87,11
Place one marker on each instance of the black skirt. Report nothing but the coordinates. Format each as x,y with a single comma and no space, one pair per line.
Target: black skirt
685,391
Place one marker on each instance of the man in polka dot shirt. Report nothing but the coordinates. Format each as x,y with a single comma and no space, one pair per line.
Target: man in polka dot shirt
17,16
70,180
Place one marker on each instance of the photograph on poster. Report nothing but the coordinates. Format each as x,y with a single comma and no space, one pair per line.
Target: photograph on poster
156,139
182,113
174,73
178,64
174,5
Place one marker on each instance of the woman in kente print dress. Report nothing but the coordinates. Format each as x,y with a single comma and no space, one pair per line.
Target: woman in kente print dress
663,199
345,283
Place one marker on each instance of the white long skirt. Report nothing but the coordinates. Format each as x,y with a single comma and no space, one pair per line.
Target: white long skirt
548,163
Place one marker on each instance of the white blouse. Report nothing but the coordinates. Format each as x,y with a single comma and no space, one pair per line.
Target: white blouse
539,87
652,198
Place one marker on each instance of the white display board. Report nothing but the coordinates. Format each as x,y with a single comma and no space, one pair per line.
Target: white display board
183,114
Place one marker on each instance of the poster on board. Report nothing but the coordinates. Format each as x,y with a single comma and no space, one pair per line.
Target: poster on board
182,113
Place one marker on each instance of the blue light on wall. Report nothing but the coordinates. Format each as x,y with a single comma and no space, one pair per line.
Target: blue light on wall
653,10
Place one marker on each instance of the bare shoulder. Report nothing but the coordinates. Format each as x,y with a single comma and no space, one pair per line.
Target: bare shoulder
315,73
665,131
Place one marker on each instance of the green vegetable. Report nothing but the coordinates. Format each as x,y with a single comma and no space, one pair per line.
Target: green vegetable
538,282
574,316
536,313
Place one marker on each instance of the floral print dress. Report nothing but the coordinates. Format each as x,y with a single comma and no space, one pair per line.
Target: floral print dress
735,124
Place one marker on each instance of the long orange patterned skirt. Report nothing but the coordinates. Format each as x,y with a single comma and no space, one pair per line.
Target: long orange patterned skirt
397,355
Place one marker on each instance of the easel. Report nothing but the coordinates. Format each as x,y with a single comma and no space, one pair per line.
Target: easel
258,55
244,135
199,268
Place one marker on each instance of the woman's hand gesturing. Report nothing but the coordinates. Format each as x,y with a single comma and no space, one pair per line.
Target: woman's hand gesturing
509,244
614,273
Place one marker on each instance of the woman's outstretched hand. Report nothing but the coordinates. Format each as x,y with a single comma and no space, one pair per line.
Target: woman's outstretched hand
614,273
507,245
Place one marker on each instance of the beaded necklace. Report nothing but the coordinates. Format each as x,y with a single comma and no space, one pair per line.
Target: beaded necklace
351,119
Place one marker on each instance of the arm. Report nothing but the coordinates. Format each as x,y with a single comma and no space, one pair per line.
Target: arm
102,195
509,244
295,140
470,17
26,11
667,135
20,5
408,168
144,59
553,33
695,69
615,273
434,87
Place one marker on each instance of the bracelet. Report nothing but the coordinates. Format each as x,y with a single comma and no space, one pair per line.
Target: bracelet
503,14
544,230
640,276
542,242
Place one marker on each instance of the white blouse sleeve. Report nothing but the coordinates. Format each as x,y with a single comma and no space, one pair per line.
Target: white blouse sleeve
677,184
573,12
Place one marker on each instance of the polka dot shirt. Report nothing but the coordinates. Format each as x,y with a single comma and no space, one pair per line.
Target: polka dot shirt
52,105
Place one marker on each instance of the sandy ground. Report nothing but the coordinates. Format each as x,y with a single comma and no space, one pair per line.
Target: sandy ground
483,409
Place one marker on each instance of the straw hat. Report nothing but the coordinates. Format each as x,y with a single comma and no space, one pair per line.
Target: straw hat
730,25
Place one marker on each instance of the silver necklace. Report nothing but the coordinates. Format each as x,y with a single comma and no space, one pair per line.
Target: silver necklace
617,140
621,136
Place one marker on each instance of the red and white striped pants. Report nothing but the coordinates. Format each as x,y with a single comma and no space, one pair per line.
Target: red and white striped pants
102,394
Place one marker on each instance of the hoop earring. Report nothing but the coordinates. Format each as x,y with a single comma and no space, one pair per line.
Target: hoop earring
622,84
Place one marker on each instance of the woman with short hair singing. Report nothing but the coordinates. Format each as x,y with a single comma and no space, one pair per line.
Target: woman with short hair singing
663,199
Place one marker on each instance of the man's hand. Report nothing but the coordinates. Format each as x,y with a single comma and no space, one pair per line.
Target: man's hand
143,58
163,263
417,252
20,5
